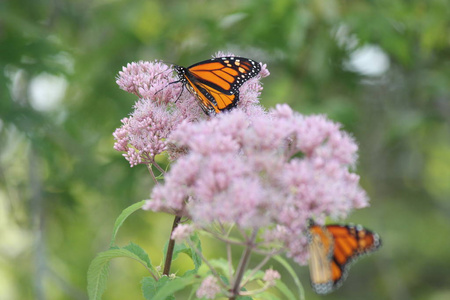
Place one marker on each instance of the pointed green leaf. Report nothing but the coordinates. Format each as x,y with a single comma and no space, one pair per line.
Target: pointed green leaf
180,248
268,296
221,264
294,276
139,252
122,217
285,290
243,289
97,277
244,298
186,249
196,258
150,287
98,270
165,287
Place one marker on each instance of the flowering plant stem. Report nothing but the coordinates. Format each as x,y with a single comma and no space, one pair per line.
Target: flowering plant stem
170,246
243,265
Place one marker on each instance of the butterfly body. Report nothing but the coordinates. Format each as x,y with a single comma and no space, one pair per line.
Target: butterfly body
216,82
332,250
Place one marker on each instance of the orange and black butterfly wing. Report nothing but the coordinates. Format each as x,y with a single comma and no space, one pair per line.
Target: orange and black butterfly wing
210,100
321,245
342,244
350,242
205,98
216,82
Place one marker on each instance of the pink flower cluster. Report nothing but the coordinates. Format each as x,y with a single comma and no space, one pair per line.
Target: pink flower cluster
182,232
262,170
162,107
209,288
270,276
143,135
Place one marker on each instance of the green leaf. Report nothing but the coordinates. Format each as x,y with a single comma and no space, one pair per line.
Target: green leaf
150,287
221,264
294,276
98,270
258,275
186,249
97,277
244,298
285,290
164,288
268,296
139,252
243,289
180,248
196,258
122,217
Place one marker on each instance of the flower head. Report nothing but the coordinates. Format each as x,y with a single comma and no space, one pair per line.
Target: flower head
148,80
161,108
278,168
182,232
270,276
209,288
164,104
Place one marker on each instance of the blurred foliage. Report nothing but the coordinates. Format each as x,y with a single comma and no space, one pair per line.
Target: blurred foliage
62,185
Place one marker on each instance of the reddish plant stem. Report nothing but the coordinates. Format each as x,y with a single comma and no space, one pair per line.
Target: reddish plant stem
170,247
243,266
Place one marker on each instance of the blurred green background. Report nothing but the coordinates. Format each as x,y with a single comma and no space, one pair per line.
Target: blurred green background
381,68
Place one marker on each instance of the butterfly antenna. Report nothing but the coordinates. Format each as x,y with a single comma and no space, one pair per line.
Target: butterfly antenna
168,83
182,89
177,81
167,86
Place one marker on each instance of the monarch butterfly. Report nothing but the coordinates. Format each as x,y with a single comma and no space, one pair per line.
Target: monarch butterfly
216,82
332,249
